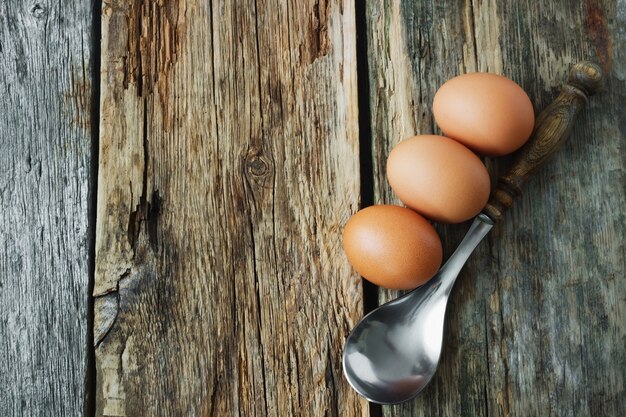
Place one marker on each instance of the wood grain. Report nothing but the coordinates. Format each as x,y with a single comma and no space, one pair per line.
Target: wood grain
45,186
228,165
536,321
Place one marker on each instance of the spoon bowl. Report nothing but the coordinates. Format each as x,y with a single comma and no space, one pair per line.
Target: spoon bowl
402,366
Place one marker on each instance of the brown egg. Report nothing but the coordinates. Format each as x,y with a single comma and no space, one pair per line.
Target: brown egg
392,246
488,113
439,178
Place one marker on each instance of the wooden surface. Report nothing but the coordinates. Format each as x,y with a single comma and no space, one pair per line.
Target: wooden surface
45,184
228,148
228,164
536,321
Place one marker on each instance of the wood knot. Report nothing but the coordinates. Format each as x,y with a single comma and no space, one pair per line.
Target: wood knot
38,11
257,165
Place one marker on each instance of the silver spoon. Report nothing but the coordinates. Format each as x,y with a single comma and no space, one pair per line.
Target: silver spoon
393,353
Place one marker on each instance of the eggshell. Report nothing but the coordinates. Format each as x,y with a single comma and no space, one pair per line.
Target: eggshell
439,178
392,246
488,113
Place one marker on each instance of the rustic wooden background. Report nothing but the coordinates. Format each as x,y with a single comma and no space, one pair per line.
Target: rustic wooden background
174,177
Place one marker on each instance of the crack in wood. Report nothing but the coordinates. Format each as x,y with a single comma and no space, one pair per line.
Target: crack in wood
153,44
147,211
472,30
155,30
329,378
98,339
318,39
504,357
259,316
124,275
487,378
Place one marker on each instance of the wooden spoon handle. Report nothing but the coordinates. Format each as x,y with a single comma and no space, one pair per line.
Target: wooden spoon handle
552,127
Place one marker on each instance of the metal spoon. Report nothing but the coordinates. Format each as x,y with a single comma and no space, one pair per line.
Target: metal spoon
392,354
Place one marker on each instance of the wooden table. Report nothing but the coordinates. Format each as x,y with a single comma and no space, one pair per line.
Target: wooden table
175,175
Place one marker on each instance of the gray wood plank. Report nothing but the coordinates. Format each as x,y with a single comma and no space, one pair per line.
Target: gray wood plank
536,321
45,142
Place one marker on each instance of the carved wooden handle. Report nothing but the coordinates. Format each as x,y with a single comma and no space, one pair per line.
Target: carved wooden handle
552,127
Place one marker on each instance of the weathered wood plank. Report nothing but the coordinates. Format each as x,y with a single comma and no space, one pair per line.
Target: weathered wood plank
228,164
45,179
536,322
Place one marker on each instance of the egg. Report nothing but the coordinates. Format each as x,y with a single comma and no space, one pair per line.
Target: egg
488,113
393,247
439,178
